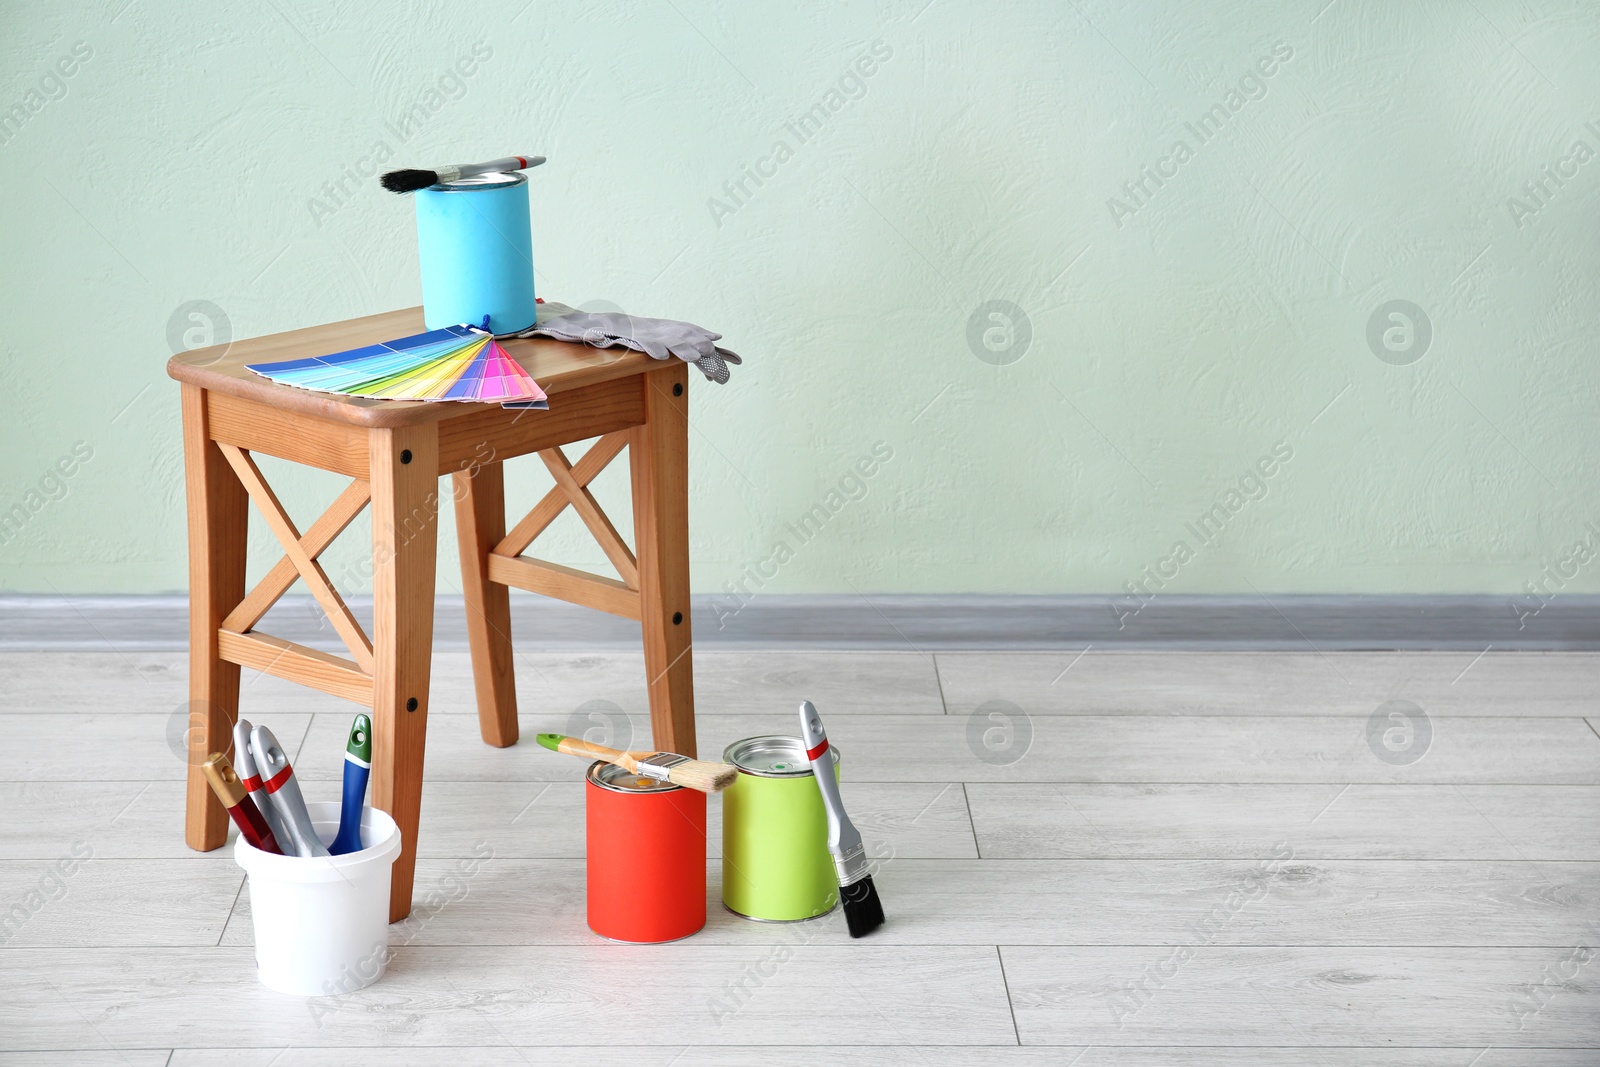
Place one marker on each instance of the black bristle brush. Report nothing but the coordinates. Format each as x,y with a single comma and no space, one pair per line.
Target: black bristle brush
863,911
409,181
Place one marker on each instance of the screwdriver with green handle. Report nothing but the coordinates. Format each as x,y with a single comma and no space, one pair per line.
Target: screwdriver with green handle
357,768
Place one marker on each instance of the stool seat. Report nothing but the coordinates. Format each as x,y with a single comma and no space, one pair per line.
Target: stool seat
394,452
556,365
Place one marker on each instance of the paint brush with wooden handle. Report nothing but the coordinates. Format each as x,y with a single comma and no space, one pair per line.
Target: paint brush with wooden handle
662,766
241,809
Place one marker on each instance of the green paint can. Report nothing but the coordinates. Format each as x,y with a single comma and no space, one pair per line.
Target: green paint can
775,861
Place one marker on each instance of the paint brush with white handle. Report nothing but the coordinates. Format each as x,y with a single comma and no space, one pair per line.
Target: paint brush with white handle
863,911
409,181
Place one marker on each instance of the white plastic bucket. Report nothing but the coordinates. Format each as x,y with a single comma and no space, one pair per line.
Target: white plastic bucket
322,922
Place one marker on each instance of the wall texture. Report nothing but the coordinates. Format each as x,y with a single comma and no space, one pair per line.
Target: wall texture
1195,297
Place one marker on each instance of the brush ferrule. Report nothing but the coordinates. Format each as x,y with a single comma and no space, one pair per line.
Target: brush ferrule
659,766
851,865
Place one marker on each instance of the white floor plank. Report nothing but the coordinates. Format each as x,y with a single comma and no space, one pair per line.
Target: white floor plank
144,820
144,1057
854,993
1298,997
106,681
811,1056
925,748
1013,821
1100,682
632,1056
1492,822
857,683
1114,748
141,745
538,820
1063,902
112,902
869,1056
127,820
725,683
729,682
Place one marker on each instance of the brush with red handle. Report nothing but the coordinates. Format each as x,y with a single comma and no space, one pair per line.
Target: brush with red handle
246,816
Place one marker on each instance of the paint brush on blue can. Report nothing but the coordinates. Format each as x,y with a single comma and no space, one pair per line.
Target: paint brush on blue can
357,769
409,181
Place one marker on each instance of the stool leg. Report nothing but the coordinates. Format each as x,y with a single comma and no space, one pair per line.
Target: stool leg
404,472
658,452
480,525
218,519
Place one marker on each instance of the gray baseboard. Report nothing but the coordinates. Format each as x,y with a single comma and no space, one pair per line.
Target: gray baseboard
893,622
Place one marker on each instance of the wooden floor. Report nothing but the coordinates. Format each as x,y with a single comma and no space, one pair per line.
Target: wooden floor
1150,858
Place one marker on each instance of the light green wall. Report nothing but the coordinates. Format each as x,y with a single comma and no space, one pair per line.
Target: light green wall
1174,342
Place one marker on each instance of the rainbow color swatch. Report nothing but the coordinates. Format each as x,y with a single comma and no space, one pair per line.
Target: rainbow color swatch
455,363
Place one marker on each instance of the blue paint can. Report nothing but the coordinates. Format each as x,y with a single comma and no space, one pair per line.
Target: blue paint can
475,248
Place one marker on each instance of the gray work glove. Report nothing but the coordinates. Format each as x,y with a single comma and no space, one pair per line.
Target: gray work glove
656,338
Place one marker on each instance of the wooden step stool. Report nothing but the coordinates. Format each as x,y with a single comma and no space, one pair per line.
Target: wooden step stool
395,451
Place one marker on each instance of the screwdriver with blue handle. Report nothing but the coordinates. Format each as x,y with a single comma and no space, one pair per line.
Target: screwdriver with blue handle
357,769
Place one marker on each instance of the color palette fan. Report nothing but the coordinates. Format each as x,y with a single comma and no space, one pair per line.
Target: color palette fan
455,363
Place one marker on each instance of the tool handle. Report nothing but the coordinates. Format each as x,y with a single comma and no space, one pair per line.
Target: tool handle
457,171
245,762
253,828
284,794
577,746
224,779
357,769
355,796
225,783
843,837
292,806
274,821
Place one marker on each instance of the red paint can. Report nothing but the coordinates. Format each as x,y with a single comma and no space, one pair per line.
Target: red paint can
647,856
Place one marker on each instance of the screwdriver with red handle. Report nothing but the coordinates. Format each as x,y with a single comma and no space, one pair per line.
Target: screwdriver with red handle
241,809
245,764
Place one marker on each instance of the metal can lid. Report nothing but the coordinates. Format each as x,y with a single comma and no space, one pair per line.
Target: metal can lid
772,756
496,180
620,780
